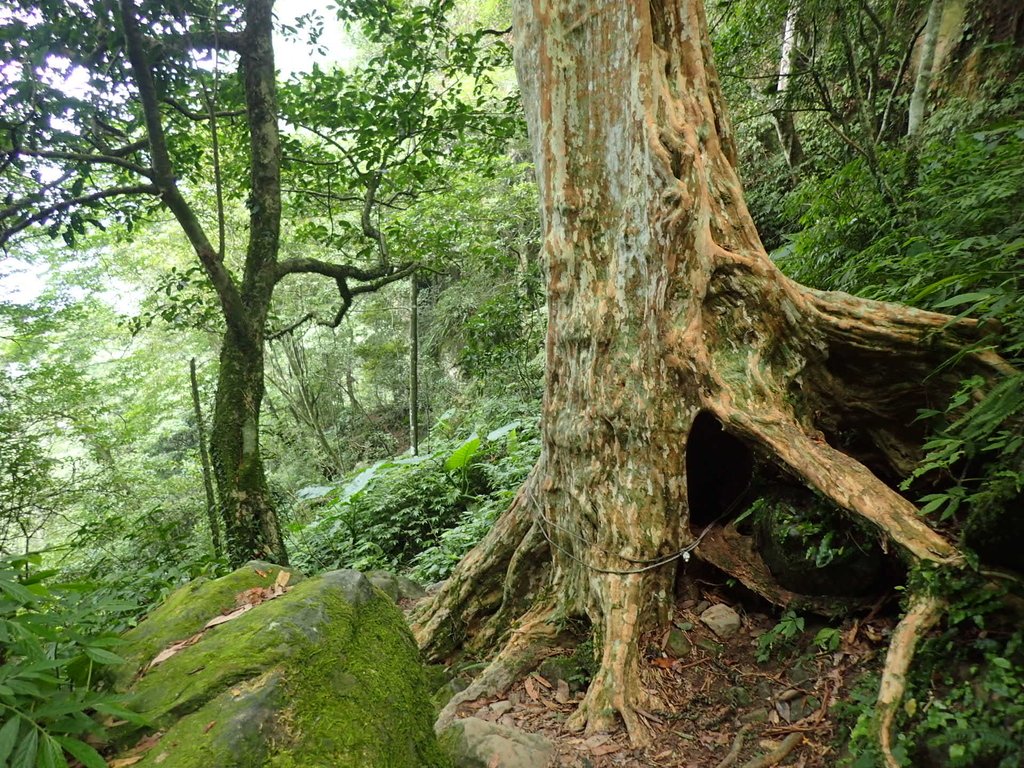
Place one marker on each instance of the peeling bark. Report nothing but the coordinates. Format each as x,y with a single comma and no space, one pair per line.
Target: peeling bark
664,304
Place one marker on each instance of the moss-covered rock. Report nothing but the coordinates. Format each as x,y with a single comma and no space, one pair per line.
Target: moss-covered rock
326,674
812,548
395,586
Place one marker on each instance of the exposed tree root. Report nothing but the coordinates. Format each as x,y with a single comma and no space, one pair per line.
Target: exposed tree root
923,614
778,754
737,746
491,587
523,651
845,481
730,551
617,688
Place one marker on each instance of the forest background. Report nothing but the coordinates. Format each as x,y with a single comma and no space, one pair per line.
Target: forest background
880,150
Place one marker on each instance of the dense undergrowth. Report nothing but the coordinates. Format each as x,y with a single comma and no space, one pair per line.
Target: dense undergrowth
950,240
420,513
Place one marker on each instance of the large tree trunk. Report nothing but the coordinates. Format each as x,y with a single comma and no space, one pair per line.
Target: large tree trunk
250,520
664,305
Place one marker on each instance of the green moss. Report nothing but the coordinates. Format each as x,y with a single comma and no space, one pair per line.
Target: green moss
338,689
236,728
326,675
186,612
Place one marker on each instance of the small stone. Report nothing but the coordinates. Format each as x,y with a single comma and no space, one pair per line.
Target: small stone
563,695
502,707
678,644
739,696
722,620
759,715
702,606
687,604
686,626
507,720
710,646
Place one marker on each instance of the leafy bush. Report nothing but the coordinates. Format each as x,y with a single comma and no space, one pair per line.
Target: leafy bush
421,512
954,243
52,646
783,634
962,707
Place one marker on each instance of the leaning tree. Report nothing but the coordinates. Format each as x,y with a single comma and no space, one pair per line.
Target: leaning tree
111,111
664,309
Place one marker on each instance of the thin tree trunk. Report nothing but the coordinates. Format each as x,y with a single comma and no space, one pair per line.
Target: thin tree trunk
204,458
922,84
305,402
414,363
250,520
782,116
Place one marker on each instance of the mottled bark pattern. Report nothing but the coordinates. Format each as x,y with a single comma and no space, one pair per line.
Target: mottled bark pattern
663,304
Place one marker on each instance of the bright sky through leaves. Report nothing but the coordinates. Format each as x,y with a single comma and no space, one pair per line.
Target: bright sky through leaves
21,282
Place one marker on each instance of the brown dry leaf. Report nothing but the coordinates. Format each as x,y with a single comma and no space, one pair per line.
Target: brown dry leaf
224,618
253,596
161,757
282,579
542,681
209,726
170,650
261,574
649,715
146,743
663,662
531,689
124,762
605,749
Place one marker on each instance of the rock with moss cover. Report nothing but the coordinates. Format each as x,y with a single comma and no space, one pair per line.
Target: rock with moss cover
326,674
395,586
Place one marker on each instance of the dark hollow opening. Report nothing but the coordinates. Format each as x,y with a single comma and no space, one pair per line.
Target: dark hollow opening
719,471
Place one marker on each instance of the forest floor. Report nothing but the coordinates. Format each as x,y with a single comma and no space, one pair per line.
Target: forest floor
720,706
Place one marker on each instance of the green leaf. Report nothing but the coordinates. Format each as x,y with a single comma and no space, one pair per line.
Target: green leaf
18,592
500,432
963,298
25,754
463,454
106,708
102,656
51,755
82,752
9,737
